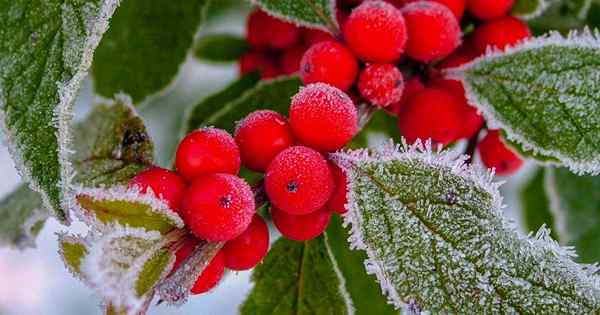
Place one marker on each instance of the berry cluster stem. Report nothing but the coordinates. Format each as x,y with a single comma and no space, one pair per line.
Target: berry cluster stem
472,145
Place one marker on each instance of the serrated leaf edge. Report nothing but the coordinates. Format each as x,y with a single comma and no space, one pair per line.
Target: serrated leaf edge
72,239
583,39
300,23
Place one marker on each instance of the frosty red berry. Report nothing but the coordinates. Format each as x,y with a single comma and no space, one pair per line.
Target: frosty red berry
301,227
381,84
489,9
165,184
500,33
211,275
338,200
496,154
247,250
329,62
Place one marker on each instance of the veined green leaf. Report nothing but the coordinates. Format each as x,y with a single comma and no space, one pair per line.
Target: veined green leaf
434,233
296,278
544,94
220,48
318,14
145,46
45,51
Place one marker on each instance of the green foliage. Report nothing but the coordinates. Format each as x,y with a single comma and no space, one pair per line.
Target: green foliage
536,206
382,127
145,46
543,94
21,217
295,278
45,52
220,48
528,9
437,241
152,271
310,13
561,15
73,250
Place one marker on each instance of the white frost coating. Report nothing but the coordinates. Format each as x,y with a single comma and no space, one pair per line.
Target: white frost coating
155,204
584,39
72,239
115,260
542,6
342,287
28,240
302,23
558,212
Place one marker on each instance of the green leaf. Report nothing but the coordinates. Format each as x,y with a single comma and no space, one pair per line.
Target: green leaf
45,51
22,215
381,128
548,104
575,203
520,149
112,145
275,95
560,15
536,205
296,278
220,48
363,288
72,250
318,14
529,9
434,233
146,44
152,271
127,207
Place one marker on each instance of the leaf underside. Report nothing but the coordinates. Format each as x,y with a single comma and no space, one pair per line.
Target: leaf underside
220,48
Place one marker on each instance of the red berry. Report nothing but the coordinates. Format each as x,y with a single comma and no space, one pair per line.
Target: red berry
323,117
290,59
496,154
186,250
376,32
459,57
299,181
211,275
432,113
247,250
489,9
165,184
337,202
207,150
381,84
301,227
218,207
472,121
312,36
256,61
412,87
500,33
329,62
433,31
261,136
456,6
266,31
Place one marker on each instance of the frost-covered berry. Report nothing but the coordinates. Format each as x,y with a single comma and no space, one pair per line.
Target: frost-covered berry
381,84
211,275
472,121
376,31
323,117
329,62
433,31
301,227
489,9
299,181
207,150
165,184
431,114
247,250
257,61
337,202
411,87
456,6
218,207
261,136
290,59
500,33
496,154
266,31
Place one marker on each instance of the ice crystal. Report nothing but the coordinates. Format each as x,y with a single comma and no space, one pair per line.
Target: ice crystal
436,239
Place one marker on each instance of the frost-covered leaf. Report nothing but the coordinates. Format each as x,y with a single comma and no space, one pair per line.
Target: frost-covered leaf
73,250
22,216
176,288
274,94
536,205
127,207
318,14
434,233
112,145
296,278
575,203
544,93
220,48
45,51
529,9
147,42
125,264
362,288
381,128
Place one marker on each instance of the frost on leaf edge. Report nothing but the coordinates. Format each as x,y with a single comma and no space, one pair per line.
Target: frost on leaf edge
542,6
582,39
456,164
63,114
301,23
